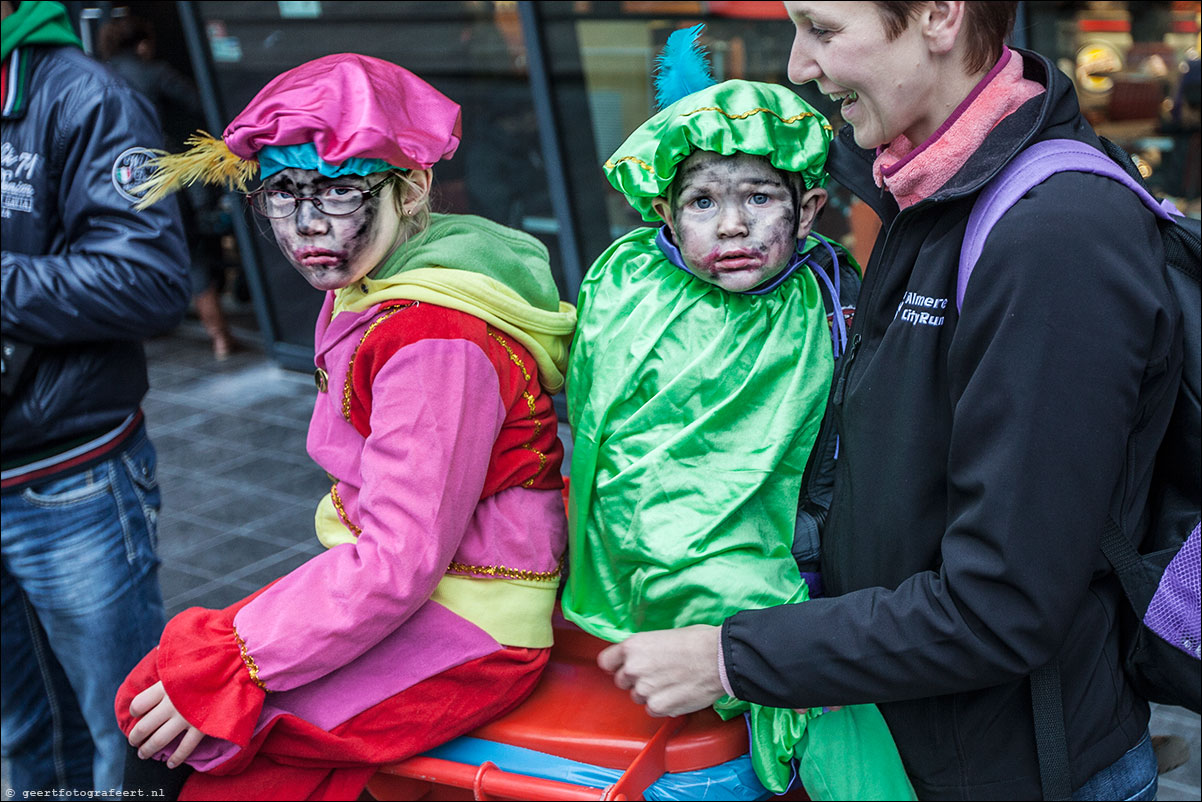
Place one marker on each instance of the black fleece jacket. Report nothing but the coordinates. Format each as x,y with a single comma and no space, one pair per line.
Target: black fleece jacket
980,454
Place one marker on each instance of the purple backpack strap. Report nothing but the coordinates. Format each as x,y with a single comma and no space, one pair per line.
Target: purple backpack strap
1026,171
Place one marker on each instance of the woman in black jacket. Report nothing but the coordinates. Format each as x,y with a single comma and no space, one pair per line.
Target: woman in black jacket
980,452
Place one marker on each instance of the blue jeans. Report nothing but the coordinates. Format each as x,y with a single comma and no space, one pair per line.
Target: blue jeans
81,606
1132,777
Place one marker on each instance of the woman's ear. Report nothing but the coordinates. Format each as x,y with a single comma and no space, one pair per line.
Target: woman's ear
941,25
811,203
416,188
664,210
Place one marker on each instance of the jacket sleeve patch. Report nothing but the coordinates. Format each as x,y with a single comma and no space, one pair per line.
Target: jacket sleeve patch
130,171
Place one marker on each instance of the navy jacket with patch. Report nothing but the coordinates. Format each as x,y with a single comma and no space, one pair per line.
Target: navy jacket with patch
86,277
979,456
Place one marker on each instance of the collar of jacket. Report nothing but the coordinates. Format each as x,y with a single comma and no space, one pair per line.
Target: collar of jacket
16,84
1054,113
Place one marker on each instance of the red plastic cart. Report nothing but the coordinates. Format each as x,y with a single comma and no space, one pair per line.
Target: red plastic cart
576,712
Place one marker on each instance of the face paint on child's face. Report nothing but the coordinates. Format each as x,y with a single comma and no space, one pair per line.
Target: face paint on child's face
733,219
332,252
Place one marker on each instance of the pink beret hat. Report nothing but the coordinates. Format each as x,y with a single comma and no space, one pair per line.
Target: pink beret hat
358,114
350,105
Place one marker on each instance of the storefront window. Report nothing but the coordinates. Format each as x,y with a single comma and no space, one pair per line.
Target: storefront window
1136,68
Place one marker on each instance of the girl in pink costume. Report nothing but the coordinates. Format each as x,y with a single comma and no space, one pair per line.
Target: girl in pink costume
437,349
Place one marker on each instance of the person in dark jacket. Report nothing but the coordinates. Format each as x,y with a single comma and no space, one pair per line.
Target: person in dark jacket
980,451
85,279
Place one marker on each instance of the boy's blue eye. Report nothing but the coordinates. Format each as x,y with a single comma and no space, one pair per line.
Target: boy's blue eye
703,203
759,198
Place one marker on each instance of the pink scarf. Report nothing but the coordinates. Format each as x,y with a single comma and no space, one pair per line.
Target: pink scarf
912,173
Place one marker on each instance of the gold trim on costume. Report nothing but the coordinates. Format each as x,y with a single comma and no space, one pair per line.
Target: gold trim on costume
517,360
350,367
609,165
538,425
538,428
342,516
746,114
251,666
507,573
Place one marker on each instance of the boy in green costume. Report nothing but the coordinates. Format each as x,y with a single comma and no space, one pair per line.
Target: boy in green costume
697,381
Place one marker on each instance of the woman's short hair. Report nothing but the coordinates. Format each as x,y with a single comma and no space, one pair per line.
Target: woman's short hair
987,23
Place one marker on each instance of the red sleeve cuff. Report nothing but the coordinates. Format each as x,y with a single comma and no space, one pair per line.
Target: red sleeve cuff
203,672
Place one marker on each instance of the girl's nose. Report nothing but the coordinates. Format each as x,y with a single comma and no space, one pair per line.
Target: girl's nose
309,220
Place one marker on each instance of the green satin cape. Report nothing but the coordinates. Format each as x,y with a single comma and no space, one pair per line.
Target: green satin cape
693,412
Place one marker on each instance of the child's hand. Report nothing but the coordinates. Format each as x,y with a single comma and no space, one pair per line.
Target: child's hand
160,724
671,671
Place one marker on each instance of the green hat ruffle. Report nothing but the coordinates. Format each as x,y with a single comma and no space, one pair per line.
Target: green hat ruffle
731,117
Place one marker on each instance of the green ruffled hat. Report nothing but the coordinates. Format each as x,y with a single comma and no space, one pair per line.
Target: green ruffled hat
731,117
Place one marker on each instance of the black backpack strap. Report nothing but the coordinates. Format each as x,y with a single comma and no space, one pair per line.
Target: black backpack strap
1128,566
1046,701
818,480
814,503
1051,744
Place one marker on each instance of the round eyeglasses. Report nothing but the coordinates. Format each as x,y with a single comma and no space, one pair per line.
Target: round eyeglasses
335,201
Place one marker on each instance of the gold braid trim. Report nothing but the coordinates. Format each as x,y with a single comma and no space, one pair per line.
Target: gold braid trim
609,165
538,425
250,662
538,428
501,572
342,516
347,387
208,160
760,110
517,360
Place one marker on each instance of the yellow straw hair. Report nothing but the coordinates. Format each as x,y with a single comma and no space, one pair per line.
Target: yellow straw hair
208,160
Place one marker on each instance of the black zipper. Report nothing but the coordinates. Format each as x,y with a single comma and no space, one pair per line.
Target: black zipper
848,358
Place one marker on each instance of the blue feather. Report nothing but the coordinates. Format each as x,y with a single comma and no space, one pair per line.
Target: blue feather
683,67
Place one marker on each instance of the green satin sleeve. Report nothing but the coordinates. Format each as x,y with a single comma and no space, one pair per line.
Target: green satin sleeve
841,754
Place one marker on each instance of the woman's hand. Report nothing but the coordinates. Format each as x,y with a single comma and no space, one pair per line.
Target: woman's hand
160,724
671,671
